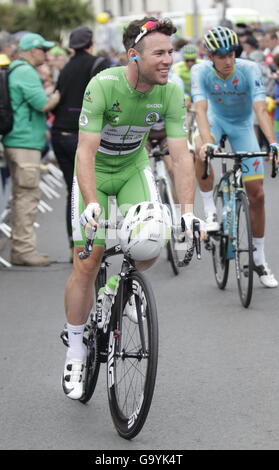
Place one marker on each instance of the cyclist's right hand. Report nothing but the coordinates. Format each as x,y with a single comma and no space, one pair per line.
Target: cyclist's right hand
89,216
206,147
187,220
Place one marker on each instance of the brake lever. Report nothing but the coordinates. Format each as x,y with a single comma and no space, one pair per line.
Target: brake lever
88,245
274,166
196,245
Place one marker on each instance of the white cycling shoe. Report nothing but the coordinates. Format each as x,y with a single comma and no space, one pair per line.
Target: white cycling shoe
211,222
73,378
266,277
130,310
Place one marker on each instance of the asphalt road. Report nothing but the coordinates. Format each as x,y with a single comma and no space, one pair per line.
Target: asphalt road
218,373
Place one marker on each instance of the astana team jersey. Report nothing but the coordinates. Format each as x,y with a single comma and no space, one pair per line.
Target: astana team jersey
230,107
231,99
124,117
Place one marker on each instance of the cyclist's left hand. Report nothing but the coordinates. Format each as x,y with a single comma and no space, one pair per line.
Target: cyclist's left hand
274,146
187,225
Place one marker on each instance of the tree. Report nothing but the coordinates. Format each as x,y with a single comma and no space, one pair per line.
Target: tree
54,15
15,18
47,17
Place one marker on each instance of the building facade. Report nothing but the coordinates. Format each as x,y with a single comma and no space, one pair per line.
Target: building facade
138,7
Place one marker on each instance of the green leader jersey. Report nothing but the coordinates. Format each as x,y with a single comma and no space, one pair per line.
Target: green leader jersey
124,117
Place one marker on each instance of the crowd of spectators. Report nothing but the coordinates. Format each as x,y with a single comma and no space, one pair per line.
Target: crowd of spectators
58,71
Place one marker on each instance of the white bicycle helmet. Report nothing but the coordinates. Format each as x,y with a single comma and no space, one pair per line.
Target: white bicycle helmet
145,230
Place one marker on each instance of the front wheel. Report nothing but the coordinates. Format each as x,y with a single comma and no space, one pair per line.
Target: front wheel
244,251
219,244
133,356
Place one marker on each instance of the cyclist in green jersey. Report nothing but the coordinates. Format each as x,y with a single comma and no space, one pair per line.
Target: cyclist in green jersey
183,69
120,106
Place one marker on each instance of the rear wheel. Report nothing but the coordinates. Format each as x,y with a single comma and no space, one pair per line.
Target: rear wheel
92,362
219,244
133,356
96,343
244,251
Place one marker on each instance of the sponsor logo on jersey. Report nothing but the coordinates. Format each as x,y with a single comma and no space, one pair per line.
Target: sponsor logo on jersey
83,120
217,87
256,165
88,97
86,110
158,106
152,117
109,77
235,82
116,107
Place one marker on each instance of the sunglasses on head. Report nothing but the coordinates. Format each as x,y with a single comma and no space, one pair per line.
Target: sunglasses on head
42,49
147,28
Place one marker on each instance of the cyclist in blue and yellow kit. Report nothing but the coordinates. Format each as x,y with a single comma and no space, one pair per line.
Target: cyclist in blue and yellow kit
225,91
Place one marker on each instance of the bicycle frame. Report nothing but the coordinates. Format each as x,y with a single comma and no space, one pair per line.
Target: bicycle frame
231,191
126,268
161,174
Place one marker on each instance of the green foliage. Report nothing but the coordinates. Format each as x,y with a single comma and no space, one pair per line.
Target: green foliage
47,17
54,15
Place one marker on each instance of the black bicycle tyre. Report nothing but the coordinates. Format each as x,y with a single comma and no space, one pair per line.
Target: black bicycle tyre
92,365
94,342
172,255
219,254
129,426
245,295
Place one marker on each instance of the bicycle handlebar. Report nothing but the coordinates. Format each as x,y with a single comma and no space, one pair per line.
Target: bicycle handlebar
196,243
239,155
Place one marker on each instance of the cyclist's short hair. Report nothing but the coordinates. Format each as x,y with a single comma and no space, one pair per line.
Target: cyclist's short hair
276,60
138,29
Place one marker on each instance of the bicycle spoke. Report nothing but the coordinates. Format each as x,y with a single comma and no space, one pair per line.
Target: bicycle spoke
244,252
133,364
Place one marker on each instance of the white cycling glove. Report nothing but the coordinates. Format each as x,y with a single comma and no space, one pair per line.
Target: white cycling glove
89,216
187,223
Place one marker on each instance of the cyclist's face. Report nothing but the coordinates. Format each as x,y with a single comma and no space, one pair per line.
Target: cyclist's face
190,62
224,63
156,58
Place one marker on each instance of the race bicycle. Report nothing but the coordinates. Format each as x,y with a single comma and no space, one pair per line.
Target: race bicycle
234,238
128,345
165,189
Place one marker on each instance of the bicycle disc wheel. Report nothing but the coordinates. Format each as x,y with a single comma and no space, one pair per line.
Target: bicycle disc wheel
133,356
172,253
92,363
244,251
219,243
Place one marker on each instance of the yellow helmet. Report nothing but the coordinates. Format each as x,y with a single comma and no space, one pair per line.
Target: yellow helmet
4,60
102,18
